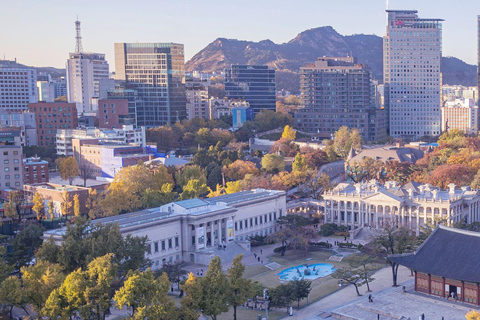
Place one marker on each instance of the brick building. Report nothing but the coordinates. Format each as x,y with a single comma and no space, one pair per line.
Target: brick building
35,170
113,113
52,116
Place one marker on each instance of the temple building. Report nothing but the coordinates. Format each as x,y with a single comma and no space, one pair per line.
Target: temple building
446,265
193,230
371,204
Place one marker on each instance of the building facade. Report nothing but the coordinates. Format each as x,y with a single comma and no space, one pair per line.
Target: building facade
11,167
460,114
412,50
53,116
18,86
25,121
197,98
191,230
252,83
49,90
156,71
123,136
373,205
336,92
35,170
223,107
240,115
113,113
444,264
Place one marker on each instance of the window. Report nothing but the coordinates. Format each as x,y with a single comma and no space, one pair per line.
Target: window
6,161
163,245
5,153
16,169
251,222
170,259
15,152
6,169
17,184
149,248
261,220
7,176
17,176
280,212
270,216
236,226
170,245
241,223
155,244
193,240
176,242
256,221
15,160
274,216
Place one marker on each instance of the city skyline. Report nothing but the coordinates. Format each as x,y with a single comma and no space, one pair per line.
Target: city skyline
198,24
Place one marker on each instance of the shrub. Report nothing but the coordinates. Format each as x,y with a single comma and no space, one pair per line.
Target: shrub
279,249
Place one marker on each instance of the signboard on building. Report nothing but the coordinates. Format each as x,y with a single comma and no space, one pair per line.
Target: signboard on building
200,237
230,229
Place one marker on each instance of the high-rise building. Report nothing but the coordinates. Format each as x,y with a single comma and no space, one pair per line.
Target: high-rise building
26,124
412,50
156,71
84,73
461,114
197,98
254,84
18,86
49,90
337,92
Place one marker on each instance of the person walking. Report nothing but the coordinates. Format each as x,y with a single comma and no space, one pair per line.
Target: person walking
370,298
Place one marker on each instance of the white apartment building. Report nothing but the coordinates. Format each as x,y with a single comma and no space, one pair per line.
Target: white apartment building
196,91
461,114
412,50
223,107
412,205
11,167
191,230
18,86
126,135
84,73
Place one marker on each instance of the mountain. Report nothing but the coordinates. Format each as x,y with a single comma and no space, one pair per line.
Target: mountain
287,58
53,72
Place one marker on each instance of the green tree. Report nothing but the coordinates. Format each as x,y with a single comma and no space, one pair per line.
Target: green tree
190,303
300,289
12,294
76,206
5,268
68,168
273,163
39,206
39,281
240,289
344,139
193,189
174,271
203,137
289,133
24,245
363,263
188,173
214,290
281,296
299,163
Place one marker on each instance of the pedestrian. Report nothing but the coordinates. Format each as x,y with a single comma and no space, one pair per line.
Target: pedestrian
255,255
261,251
378,316
423,316
258,259
370,298
344,238
262,261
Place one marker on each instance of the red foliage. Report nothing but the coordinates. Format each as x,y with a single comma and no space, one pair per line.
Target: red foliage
443,175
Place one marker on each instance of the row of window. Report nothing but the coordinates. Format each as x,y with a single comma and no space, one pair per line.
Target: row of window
243,224
162,245
164,260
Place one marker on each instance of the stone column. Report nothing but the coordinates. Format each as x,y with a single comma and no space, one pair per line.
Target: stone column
352,216
433,215
417,232
219,231
324,211
376,217
410,216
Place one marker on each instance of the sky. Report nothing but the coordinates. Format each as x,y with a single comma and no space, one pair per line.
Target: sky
42,33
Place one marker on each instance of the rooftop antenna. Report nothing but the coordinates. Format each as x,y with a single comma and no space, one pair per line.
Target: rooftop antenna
78,37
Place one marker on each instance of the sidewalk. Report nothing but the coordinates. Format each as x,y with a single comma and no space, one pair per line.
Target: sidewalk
383,280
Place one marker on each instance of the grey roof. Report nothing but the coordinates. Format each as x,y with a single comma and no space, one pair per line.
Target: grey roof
191,203
410,155
243,196
447,252
412,185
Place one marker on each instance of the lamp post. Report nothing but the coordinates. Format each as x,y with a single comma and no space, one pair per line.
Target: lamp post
265,297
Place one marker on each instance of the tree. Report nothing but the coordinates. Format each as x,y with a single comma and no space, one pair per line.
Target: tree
68,168
155,198
473,315
174,271
350,275
314,158
214,290
12,294
51,211
193,189
239,169
39,281
92,204
66,204
364,264
240,289
300,289
215,176
188,173
344,139
399,171
393,240
39,206
281,295
99,275
14,204
76,206
24,245
285,147
86,172
190,303
289,133
273,163
5,268
443,175
299,164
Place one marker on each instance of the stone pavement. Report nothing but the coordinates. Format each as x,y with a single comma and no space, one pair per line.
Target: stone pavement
383,280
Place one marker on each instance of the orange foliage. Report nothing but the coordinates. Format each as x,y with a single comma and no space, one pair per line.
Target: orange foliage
443,175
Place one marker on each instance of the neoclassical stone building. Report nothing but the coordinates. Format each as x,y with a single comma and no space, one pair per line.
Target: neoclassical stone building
412,205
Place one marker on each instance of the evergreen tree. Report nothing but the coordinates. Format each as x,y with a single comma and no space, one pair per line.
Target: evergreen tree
240,289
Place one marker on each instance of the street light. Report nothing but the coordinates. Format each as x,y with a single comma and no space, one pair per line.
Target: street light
265,297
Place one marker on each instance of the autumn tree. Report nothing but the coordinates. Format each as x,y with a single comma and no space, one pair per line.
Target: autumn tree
399,171
76,205
285,147
289,133
300,163
473,315
239,169
174,271
68,168
273,163
51,210
187,173
442,176
12,294
344,139
193,189
239,289
66,204
190,303
314,158
39,206
14,204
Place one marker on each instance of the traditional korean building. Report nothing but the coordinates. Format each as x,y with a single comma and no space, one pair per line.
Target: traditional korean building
446,264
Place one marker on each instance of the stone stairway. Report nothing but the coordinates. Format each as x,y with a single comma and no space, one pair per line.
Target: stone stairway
231,251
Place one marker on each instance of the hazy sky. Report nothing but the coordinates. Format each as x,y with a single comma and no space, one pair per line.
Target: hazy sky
41,33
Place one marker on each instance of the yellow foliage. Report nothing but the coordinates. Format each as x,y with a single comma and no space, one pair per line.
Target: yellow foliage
473,315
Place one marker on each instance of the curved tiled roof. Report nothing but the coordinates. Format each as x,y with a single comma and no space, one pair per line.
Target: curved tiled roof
447,252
